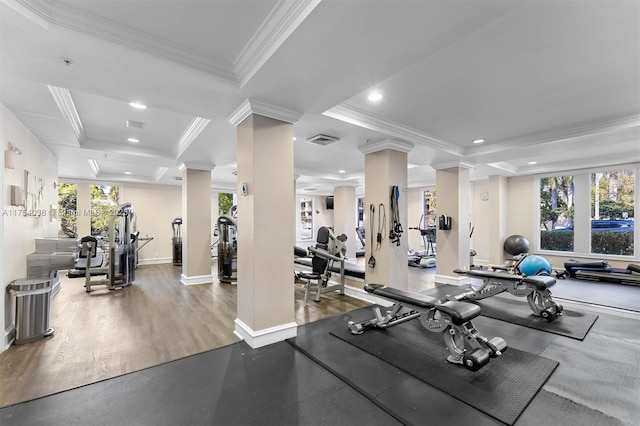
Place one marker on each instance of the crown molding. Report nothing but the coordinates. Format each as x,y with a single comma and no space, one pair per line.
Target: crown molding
362,118
401,146
159,173
560,135
196,165
66,17
615,160
283,19
251,106
506,167
68,109
38,12
193,130
95,168
452,164
128,149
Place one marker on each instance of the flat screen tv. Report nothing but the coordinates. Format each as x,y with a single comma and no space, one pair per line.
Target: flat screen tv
330,203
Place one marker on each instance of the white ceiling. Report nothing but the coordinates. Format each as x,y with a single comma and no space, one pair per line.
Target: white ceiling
553,82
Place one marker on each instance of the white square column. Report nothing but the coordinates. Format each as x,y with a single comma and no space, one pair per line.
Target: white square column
266,224
385,167
454,201
344,216
196,220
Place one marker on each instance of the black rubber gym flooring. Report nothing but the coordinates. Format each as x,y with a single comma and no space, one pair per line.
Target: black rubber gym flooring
596,382
502,389
516,310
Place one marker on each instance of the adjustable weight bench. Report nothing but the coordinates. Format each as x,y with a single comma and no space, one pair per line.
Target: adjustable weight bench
452,318
535,288
328,249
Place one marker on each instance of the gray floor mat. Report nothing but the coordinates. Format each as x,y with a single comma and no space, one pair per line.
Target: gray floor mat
502,389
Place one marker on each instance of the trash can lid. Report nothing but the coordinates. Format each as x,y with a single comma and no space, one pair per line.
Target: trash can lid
28,284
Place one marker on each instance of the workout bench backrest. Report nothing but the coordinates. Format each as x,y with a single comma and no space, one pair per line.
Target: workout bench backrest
93,246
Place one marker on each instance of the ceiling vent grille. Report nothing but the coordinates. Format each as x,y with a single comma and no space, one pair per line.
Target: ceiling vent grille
135,124
323,139
177,178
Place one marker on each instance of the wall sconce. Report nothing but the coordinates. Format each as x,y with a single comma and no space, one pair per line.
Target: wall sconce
10,156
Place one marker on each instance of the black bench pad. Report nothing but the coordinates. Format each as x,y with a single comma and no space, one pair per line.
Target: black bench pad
540,281
460,312
421,300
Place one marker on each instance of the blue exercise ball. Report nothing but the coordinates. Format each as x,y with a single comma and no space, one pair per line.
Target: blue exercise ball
516,244
534,265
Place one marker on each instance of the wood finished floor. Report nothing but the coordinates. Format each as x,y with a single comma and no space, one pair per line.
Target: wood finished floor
156,320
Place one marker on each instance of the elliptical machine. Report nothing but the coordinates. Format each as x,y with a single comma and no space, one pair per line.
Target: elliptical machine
177,241
227,249
424,258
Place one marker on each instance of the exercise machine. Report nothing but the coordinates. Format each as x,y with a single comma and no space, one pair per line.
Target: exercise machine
121,258
176,241
360,233
534,288
452,319
424,258
523,275
600,270
227,249
329,248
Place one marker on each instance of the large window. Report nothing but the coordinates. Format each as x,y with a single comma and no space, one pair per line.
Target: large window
612,212
589,212
104,201
68,210
556,213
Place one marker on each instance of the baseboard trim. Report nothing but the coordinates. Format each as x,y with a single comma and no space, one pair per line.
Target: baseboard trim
197,279
155,261
9,337
267,336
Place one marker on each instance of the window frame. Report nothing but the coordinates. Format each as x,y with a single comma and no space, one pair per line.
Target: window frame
582,217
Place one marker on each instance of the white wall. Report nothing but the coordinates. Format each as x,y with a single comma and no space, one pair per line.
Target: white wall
19,232
481,221
321,217
155,206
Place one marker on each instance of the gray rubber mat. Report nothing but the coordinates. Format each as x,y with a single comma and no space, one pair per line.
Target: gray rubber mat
502,389
508,308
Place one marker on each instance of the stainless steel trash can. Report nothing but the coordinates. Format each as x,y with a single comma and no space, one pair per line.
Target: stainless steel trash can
33,303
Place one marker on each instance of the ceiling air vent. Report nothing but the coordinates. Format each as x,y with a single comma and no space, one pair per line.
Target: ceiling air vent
177,178
135,124
323,139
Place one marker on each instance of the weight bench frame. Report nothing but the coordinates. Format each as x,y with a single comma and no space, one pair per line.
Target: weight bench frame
534,288
452,319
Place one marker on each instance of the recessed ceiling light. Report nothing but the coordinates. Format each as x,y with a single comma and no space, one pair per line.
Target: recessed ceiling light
134,140
294,138
532,162
375,96
127,173
138,105
342,171
478,141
